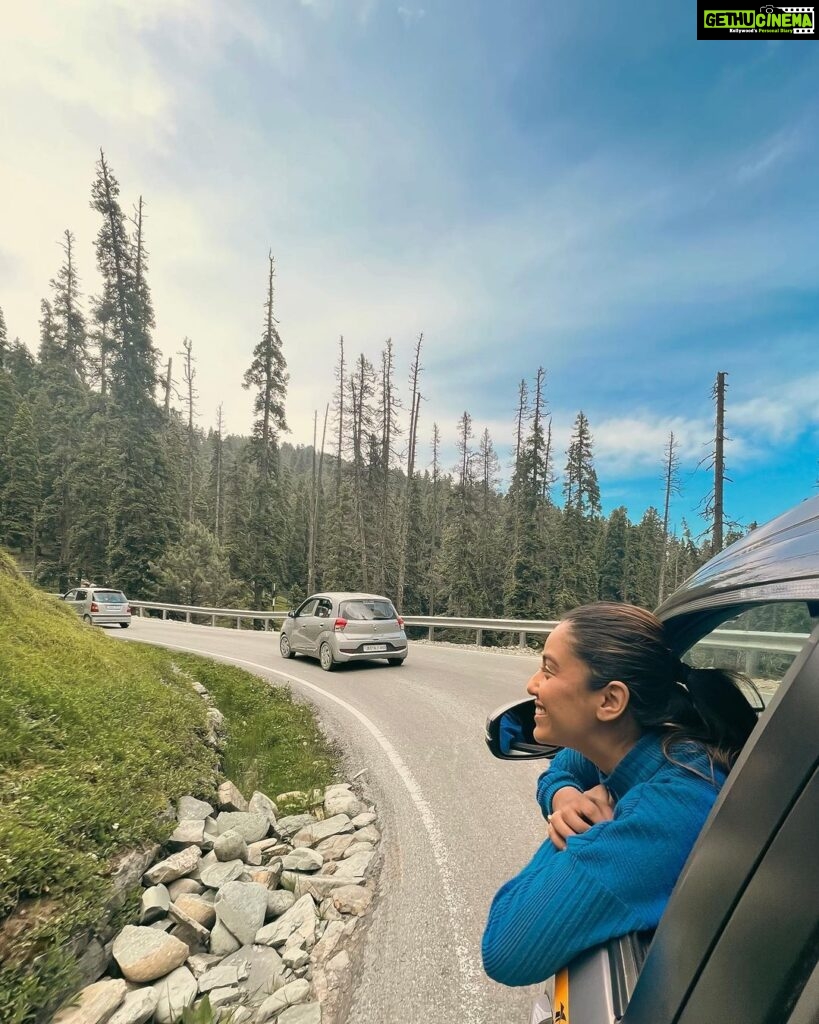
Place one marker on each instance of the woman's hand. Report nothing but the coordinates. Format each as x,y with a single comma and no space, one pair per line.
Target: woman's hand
574,812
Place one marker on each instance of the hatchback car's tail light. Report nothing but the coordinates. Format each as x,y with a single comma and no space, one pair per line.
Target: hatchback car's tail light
94,606
127,609
339,624
400,622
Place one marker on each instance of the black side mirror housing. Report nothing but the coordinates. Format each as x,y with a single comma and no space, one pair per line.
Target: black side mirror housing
291,614
510,733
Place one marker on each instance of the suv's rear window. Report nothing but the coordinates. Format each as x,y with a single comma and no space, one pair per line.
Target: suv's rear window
110,596
364,609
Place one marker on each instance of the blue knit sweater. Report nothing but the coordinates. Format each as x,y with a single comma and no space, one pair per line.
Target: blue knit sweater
614,879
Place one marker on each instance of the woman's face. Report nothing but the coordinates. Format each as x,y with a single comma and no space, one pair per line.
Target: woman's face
565,707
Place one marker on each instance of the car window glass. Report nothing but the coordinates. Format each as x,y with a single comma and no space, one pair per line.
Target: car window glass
761,642
110,596
308,608
80,595
324,608
71,596
367,610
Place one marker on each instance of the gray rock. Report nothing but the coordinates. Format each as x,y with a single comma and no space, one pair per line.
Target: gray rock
291,994
128,870
201,962
200,910
261,804
189,808
223,976
139,1006
242,907
222,942
321,886
295,957
187,833
355,848
368,834
174,993
231,845
326,946
303,1013
338,789
93,963
155,902
223,997
176,866
364,819
145,954
352,899
355,866
230,799
301,919
342,803
214,876
184,885
279,901
96,1003
252,827
312,834
335,847
302,859
192,929
293,823
266,970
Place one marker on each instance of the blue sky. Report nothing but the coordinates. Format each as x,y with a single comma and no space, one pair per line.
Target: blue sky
526,183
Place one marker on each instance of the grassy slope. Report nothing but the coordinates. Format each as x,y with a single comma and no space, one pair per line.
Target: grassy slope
95,738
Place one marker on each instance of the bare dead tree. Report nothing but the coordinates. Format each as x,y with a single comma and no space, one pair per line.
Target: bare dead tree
191,394
415,405
217,518
671,465
339,410
168,385
714,503
520,419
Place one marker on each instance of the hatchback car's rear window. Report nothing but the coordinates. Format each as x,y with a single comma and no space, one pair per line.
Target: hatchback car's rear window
110,596
364,609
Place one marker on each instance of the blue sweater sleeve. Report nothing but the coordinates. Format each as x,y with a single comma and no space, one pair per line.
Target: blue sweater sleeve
568,768
614,879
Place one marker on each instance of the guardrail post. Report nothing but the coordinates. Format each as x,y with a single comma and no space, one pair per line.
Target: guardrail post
238,622
164,614
478,637
522,639
187,616
213,620
431,633
752,663
140,611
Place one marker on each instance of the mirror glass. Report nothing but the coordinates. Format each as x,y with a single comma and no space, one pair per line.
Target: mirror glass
510,732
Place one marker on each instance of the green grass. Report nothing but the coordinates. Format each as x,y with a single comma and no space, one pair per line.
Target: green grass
96,737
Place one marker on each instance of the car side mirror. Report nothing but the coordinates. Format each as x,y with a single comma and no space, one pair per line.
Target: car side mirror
61,597
510,733
291,614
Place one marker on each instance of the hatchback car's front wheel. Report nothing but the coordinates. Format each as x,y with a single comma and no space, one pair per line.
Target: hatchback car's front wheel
125,625
326,657
395,661
284,646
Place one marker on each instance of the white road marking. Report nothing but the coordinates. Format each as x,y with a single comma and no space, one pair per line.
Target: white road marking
471,974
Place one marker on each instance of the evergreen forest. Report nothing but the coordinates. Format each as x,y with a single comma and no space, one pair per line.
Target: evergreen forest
106,474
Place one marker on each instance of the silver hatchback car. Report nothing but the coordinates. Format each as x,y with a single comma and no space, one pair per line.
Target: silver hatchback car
339,627
100,605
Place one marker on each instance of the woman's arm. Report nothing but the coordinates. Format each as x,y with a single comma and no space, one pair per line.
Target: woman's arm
568,768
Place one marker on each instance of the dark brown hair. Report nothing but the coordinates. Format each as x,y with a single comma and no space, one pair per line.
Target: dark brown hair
704,706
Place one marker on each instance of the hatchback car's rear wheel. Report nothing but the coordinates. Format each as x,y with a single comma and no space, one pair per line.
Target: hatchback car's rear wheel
326,657
88,619
284,646
125,625
395,661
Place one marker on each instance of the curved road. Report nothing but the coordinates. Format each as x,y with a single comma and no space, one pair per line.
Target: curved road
456,822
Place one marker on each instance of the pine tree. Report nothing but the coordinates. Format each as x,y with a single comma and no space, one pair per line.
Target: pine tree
195,571
460,534
22,492
4,340
614,560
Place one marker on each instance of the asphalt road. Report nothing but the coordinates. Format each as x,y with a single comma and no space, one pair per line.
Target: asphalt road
456,822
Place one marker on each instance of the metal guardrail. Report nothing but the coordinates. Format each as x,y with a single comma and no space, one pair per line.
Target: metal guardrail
752,643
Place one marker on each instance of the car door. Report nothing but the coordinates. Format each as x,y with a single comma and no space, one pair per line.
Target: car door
71,599
317,625
303,617
738,940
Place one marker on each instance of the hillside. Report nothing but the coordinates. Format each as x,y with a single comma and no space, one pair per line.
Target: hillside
96,737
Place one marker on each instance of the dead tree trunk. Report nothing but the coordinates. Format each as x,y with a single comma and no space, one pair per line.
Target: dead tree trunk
415,405
671,463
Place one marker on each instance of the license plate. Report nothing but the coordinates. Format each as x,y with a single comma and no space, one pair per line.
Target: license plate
375,647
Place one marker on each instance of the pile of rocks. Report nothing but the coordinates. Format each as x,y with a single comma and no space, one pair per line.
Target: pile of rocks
251,910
